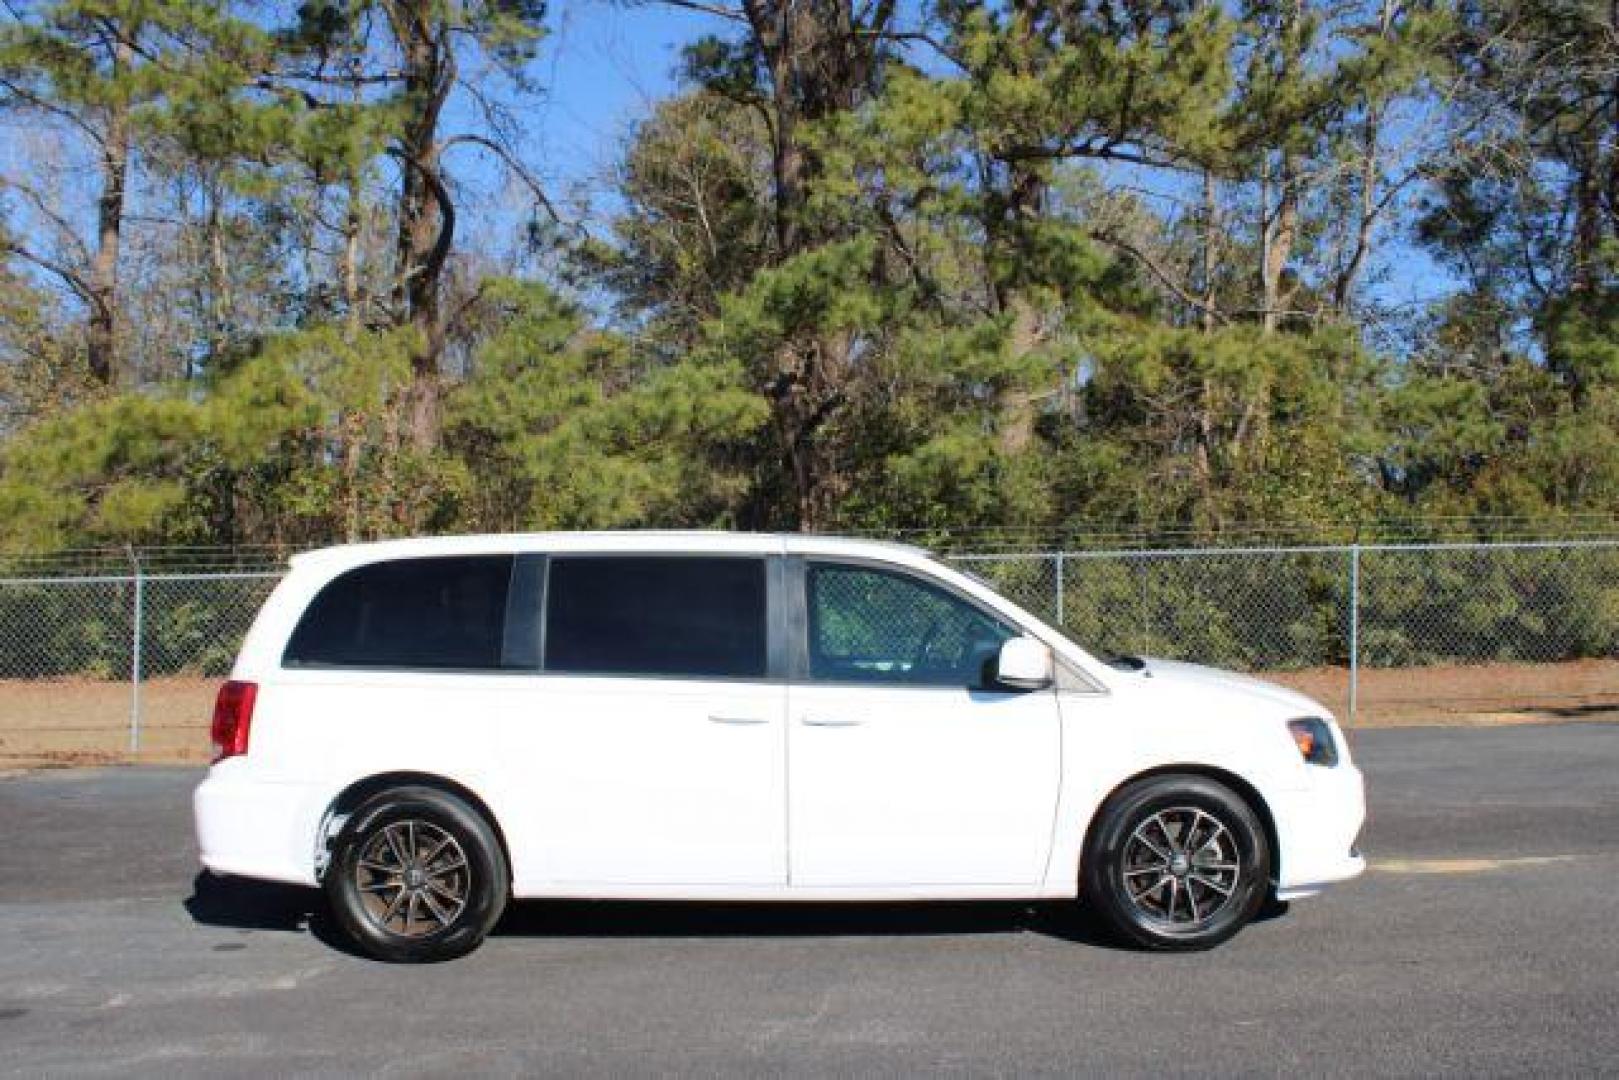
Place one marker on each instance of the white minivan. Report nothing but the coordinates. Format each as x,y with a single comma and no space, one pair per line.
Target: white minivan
428,728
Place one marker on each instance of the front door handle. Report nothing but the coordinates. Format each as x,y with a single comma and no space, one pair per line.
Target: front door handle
720,719
831,721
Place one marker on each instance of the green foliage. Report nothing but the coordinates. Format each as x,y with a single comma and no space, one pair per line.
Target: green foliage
1582,334
106,470
1063,76
823,290
80,629
257,447
1230,426
566,428
1066,266
932,450
1530,604
1250,613
696,225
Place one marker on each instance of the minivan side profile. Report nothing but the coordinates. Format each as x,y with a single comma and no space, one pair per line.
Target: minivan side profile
429,728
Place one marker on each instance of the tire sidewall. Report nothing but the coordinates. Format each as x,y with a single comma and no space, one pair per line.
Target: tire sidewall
490,881
1103,872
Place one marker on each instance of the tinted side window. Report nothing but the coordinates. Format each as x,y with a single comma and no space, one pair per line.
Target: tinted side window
873,626
410,613
676,616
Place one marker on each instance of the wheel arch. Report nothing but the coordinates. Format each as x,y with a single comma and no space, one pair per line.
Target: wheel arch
354,796
1240,785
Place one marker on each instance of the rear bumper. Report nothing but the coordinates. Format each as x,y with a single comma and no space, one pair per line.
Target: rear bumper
1317,828
254,829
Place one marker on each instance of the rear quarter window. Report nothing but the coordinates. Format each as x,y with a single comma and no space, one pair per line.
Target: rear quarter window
446,613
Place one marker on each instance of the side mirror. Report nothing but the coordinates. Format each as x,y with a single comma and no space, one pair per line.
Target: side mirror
1024,664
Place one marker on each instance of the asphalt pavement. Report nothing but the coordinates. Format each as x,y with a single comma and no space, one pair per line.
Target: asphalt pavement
1484,941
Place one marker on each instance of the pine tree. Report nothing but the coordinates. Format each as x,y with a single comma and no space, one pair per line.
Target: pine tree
80,63
403,60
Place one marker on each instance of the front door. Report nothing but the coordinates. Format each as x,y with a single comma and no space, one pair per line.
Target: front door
907,765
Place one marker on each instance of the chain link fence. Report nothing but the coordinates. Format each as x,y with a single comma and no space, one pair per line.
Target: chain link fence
111,663
1379,632
101,667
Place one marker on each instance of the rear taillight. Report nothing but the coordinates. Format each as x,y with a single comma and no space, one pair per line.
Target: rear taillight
233,717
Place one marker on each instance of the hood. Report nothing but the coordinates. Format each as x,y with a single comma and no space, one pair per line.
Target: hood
1174,675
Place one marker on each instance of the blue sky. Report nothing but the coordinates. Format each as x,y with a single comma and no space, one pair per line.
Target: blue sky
604,65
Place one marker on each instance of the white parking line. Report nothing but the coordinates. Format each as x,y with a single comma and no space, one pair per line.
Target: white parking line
1462,866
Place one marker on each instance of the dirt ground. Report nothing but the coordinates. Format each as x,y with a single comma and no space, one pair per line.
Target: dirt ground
1466,693
86,721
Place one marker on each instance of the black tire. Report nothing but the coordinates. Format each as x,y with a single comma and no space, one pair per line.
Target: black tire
425,924
1161,830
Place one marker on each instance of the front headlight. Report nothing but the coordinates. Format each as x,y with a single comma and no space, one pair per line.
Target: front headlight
1314,739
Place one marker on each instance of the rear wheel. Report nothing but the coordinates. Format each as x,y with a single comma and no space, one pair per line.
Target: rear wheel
1177,862
416,875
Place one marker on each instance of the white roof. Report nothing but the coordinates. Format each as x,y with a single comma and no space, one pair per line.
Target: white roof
691,541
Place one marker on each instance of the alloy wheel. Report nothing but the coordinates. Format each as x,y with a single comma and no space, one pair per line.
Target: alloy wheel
413,878
1181,867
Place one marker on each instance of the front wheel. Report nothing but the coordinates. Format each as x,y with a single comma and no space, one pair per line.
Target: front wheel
1177,862
416,875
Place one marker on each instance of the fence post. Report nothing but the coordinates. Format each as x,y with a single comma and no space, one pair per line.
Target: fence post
1060,591
1146,616
136,641
1354,629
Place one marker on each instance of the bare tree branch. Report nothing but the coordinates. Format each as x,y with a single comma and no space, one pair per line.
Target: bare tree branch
34,101
716,10
81,288
1164,277
528,179
62,224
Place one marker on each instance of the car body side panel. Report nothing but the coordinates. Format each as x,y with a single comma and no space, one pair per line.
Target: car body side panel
657,782
316,733
916,786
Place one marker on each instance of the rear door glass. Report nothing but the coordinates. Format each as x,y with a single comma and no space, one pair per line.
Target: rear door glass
672,616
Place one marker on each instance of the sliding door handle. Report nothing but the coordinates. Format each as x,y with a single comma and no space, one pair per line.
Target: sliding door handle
831,721
738,720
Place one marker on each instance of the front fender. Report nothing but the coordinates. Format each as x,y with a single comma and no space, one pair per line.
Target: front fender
1110,740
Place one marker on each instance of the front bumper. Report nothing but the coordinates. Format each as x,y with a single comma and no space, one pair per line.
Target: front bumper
251,828
1317,829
